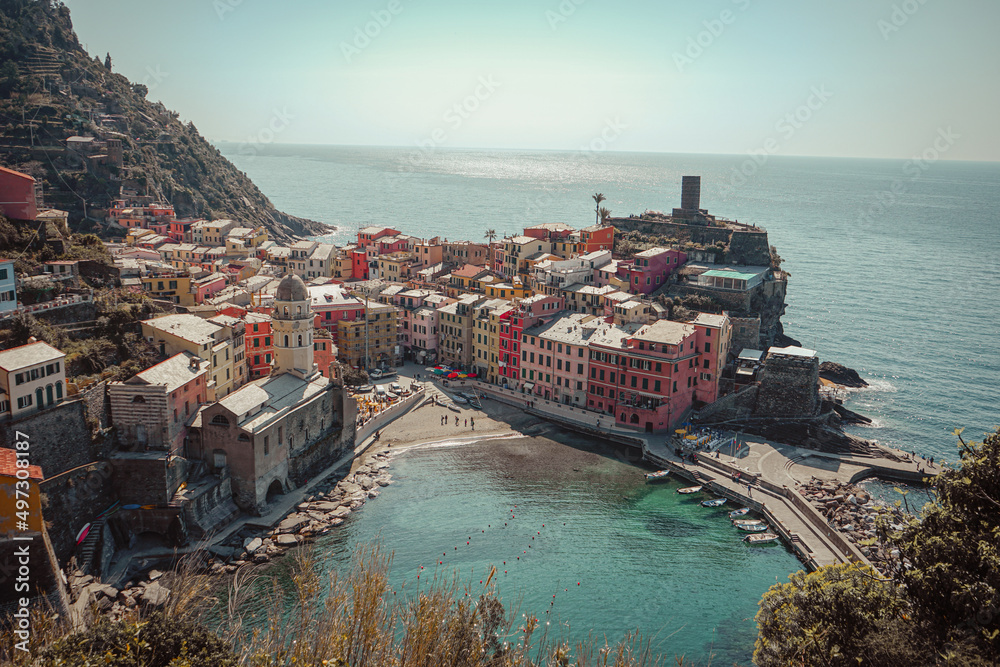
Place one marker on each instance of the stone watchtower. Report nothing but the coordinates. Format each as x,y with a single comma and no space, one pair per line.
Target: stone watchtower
292,326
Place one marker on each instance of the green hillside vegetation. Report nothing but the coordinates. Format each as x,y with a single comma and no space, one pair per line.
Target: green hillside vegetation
51,89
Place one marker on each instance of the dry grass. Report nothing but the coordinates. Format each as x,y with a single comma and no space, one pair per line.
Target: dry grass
358,620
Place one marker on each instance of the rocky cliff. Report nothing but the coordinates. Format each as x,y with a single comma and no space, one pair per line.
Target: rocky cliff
51,89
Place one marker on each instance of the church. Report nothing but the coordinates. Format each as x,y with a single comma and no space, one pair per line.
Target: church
275,433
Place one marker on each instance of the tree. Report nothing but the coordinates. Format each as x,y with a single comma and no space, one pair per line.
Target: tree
953,553
604,215
490,235
598,198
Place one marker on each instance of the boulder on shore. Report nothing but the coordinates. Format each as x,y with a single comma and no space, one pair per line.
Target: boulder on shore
842,375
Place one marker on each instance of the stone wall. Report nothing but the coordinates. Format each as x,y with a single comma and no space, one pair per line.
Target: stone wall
85,311
738,405
746,334
789,387
59,436
681,232
730,300
72,500
148,479
307,461
749,248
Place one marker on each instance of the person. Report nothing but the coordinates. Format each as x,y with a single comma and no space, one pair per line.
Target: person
749,490
472,420
378,434
456,420
466,423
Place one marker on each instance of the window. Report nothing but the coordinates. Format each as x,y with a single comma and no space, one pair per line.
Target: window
656,386
708,347
267,442
23,401
579,369
645,383
138,399
19,379
220,420
635,381
3,274
706,363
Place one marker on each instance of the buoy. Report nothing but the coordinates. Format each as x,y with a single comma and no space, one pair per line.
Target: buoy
418,576
578,583
456,548
480,581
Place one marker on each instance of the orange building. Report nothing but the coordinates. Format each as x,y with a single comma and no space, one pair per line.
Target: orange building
11,513
596,238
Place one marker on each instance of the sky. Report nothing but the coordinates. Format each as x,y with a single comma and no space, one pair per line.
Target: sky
846,78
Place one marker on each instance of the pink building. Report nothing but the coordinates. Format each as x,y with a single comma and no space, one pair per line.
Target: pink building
649,269
17,195
646,376
714,334
555,358
332,303
202,288
527,313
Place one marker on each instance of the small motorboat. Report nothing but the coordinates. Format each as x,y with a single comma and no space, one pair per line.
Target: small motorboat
743,511
657,476
689,490
714,502
752,527
760,538
747,522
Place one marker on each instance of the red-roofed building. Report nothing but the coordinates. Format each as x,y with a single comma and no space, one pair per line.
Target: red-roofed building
9,510
596,238
17,195
368,235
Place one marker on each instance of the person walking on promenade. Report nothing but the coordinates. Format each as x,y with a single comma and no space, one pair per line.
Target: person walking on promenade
472,420
749,490
466,423
456,420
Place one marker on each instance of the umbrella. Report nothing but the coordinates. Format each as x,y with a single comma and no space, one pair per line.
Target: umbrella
452,376
438,371
473,375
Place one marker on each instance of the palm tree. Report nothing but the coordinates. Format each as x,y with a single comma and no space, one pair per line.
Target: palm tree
598,198
605,214
490,234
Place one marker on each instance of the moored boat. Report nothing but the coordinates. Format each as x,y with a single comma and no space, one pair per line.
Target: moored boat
747,522
657,476
714,502
752,527
689,490
760,538
735,514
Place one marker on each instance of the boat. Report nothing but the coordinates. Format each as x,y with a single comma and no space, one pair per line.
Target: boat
82,535
657,476
746,522
760,538
743,511
752,527
689,490
714,502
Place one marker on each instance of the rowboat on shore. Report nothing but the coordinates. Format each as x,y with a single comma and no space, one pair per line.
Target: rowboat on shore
714,502
752,527
747,522
761,538
689,490
657,476
735,514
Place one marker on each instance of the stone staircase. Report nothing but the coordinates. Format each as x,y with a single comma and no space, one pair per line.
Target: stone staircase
89,549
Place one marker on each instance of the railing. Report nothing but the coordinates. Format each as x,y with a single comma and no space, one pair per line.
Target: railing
49,305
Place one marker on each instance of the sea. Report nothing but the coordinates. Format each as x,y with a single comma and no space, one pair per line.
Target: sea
894,272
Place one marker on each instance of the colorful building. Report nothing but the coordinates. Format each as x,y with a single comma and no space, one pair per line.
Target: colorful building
17,195
8,286
649,269
555,358
151,410
32,377
368,235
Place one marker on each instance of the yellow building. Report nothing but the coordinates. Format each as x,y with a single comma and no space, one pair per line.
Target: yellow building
486,337
456,325
219,343
507,291
395,267
244,241
373,345
136,233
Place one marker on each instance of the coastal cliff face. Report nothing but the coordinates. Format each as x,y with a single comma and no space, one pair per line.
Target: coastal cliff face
51,89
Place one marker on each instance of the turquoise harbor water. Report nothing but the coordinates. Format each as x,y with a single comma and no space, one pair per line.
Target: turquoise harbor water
892,275
644,556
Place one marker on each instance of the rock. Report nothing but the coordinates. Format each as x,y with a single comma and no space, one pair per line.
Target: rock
363,470
340,512
373,493
842,375
323,506
292,522
154,575
225,553
261,558
83,580
349,487
366,482
383,480
336,522
356,504
287,541
251,545
155,594
109,591
104,605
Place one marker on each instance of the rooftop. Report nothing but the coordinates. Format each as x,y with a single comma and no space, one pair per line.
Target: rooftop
175,372
8,467
259,402
791,351
188,327
665,331
574,329
31,354
710,320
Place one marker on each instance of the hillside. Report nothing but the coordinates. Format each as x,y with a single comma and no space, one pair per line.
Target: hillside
51,89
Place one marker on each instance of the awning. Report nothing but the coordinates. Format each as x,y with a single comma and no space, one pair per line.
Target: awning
527,386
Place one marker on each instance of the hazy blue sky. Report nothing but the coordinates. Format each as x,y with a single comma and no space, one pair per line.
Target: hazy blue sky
883,77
